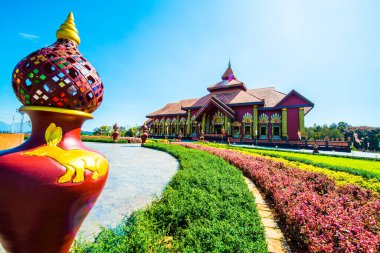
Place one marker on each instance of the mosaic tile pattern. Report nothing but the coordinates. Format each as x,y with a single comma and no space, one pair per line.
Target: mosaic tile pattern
58,76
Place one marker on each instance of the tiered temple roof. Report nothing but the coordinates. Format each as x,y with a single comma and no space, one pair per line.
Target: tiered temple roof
230,92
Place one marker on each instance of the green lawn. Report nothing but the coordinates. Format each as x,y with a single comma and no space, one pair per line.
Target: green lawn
206,207
362,167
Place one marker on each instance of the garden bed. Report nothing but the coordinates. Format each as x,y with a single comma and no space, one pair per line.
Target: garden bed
206,207
317,215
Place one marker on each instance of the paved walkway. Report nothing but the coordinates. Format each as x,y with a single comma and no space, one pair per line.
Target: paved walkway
136,177
273,235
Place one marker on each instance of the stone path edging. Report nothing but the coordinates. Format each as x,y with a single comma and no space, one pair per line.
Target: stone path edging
273,235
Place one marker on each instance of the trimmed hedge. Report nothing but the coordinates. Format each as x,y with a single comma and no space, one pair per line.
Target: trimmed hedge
317,215
206,207
108,139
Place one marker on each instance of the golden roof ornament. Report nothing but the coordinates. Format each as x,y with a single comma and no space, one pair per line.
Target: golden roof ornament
68,30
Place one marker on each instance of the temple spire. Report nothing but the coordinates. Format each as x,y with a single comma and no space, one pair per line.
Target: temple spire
228,74
68,30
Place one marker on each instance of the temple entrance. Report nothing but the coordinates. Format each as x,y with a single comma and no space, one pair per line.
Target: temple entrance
217,128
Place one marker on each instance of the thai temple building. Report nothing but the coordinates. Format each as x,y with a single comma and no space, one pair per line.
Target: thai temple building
232,110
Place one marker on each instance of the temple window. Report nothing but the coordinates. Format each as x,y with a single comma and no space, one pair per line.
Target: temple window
247,130
162,127
182,125
276,130
194,128
236,129
167,127
174,126
263,131
173,129
247,122
263,122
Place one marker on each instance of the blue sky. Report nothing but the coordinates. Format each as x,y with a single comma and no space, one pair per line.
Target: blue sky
149,53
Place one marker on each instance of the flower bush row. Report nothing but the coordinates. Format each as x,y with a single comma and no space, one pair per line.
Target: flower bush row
108,139
365,168
317,215
341,178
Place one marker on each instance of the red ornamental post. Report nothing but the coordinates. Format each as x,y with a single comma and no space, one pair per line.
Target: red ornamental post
115,133
49,184
145,134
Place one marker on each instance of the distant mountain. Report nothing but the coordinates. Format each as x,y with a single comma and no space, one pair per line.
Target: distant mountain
4,127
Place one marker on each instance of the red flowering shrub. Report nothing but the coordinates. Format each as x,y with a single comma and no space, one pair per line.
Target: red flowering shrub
317,215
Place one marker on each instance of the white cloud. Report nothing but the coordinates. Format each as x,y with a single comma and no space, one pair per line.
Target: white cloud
29,36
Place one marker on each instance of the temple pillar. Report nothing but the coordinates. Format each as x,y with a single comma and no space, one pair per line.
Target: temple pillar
188,123
255,121
203,122
163,126
301,120
226,123
207,124
177,125
284,123
154,126
229,125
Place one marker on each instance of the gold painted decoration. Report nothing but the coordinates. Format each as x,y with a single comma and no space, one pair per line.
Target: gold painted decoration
276,118
75,161
263,119
247,118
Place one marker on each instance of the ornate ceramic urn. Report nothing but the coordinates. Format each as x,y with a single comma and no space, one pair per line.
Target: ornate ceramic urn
145,135
49,184
115,133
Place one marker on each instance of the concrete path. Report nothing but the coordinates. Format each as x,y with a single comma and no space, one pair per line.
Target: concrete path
136,177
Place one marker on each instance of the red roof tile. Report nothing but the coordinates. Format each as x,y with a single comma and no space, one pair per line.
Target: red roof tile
235,96
270,95
173,108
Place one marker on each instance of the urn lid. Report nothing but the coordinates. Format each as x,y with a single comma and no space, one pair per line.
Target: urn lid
58,75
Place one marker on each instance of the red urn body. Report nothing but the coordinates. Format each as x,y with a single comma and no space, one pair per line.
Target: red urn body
145,134
38,213
115,133
49,184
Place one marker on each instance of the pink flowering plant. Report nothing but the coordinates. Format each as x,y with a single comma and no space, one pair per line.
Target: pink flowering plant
317,215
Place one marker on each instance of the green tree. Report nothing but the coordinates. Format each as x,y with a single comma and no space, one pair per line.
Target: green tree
103,130
122,131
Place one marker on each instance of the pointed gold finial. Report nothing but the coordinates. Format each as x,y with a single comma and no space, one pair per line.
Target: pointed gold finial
68,30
